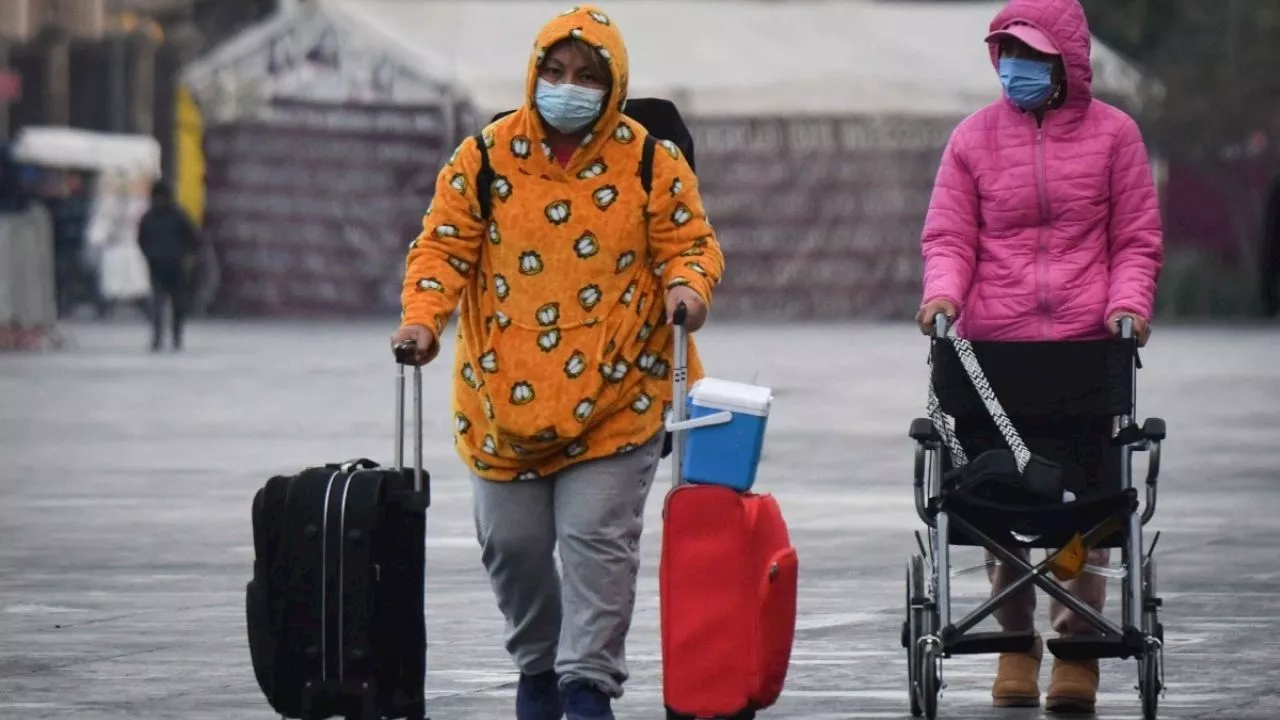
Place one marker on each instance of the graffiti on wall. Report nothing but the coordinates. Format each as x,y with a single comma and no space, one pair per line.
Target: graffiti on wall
312,207
819,218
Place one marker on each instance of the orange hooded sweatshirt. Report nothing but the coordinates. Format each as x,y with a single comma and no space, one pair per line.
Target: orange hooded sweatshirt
562,353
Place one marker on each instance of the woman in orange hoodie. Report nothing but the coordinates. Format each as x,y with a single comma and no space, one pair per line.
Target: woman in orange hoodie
562,370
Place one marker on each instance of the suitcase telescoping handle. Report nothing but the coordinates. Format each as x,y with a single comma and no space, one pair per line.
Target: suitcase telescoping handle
405,353
680,391
679,423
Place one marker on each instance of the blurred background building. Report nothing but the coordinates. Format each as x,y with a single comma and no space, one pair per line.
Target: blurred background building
108,65
305,135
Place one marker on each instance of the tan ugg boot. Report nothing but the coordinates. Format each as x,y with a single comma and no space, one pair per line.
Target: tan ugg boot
1018,678
1073,687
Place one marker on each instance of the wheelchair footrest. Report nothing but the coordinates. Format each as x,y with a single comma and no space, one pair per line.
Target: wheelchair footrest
990,643
1092,647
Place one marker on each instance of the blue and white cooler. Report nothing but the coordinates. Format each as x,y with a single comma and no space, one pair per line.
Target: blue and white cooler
726,432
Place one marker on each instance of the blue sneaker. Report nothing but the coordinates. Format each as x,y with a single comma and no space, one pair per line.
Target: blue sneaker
538,697
584,701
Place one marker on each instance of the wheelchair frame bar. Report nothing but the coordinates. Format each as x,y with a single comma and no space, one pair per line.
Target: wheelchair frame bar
928,464
1133,547
941,536
1133,542
942,570
1031,574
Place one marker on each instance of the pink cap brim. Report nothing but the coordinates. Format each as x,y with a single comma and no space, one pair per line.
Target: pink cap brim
1037,40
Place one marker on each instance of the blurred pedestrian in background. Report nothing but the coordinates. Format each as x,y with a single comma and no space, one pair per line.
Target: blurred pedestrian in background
169,241
28,308
562,373
1043,225
68,203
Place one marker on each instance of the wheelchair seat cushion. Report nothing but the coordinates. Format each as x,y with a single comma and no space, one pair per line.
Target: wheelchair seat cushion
1083,447
1046,526
994,475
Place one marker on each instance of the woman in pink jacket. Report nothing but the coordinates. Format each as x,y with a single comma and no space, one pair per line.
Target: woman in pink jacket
1043,225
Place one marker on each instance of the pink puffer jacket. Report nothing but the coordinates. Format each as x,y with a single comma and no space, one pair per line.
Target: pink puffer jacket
1042,232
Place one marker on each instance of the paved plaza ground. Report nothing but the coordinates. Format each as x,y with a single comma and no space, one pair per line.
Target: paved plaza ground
126,479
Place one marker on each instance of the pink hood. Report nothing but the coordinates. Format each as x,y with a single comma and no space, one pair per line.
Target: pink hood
1041,231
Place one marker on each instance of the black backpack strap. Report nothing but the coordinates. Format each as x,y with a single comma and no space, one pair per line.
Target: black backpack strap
484,179
646,181
646,163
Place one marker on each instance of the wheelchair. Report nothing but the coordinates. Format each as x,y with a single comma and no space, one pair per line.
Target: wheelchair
1059,386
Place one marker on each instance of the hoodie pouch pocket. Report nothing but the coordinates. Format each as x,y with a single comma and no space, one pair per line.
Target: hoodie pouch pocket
542,386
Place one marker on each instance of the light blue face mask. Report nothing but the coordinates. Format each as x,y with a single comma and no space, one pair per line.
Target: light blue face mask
567,107
1028,83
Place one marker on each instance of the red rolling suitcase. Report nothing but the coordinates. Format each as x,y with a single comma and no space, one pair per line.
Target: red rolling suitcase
727,579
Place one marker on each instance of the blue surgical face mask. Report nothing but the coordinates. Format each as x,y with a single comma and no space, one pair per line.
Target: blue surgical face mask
567,107
1028,83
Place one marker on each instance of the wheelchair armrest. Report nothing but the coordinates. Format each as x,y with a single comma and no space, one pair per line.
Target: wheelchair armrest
1153,451
1154,429
927,442
923,431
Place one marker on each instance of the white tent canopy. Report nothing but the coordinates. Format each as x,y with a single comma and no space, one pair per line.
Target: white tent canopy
716,58
731,58
62,147
312,54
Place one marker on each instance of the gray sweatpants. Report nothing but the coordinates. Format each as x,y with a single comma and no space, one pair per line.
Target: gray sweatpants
575,622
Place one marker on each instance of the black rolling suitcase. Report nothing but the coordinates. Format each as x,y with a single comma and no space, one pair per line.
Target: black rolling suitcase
335,607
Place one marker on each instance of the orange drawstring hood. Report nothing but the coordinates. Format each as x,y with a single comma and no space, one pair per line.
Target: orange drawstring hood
592,26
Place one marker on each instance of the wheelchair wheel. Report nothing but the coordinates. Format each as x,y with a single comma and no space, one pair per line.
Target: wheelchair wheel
911,638
1151,664
922,662
930,675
